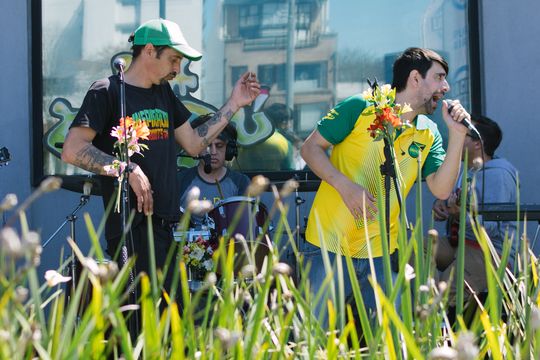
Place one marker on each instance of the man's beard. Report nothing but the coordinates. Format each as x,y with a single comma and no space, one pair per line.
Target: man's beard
168,78
427,108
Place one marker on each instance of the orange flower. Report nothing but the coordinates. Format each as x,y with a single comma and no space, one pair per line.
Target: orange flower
141,130
388,116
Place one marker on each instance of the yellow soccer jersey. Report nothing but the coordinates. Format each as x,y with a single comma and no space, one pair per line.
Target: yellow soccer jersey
359,157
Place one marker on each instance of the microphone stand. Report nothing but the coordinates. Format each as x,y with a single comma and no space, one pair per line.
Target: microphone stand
297,201
388,171
71,218
124,204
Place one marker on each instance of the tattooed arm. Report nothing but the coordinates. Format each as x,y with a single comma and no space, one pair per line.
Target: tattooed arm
79,151
194,141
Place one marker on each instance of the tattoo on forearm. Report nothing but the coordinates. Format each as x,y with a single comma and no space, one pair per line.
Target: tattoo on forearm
92,159
202,130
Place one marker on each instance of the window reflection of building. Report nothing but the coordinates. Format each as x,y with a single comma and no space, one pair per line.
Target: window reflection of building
256,36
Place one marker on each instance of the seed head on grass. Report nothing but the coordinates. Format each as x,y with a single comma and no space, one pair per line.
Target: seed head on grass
466,346
10,243
199,207
258,185
288,188
9,202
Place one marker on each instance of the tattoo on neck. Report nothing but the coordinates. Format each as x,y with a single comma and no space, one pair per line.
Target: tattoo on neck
92,159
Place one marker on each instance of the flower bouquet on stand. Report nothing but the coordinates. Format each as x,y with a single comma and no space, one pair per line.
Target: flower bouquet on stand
387,112
385,127
127,134
197,254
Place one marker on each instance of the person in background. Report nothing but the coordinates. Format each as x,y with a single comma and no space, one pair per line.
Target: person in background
351,173
277,151
215,180
500,187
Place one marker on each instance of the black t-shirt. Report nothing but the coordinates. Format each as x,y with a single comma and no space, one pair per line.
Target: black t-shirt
163,113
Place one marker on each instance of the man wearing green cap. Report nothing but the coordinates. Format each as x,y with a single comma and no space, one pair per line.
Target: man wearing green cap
158,48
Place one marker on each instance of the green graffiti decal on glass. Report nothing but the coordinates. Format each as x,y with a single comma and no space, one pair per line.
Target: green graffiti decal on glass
253,128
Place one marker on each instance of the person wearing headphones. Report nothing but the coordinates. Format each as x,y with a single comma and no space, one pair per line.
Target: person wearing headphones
215,180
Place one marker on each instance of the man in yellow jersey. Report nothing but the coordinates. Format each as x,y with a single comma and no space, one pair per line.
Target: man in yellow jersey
350,174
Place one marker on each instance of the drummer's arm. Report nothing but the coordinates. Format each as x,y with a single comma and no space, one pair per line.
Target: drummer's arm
78,150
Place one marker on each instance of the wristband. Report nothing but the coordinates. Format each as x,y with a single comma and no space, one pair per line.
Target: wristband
131,167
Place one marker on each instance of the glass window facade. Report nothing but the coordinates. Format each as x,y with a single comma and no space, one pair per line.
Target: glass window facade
333,45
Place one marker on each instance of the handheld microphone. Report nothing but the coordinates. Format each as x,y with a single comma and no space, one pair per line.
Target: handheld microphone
466,122
119,64
207,163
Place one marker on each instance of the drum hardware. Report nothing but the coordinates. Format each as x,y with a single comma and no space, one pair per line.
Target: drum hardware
234,215
245,216
71,218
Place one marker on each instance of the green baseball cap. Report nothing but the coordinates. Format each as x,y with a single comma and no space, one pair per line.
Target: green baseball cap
164,32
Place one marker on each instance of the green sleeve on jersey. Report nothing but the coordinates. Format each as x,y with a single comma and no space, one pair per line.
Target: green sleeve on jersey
436,154
339,121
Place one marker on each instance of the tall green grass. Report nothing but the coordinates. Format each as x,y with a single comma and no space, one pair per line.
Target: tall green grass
264,312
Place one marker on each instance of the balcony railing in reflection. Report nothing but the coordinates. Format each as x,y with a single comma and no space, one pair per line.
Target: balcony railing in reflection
277,42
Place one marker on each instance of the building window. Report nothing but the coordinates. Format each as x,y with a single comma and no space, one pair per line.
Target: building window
272,74
303,15
310,76
249,21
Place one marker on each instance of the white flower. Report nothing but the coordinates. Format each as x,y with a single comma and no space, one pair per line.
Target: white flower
208,264
54,278
367,95
197,254
386,89
409,272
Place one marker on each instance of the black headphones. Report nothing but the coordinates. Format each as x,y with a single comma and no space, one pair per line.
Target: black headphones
229,134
